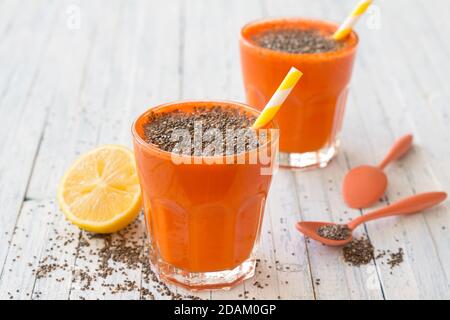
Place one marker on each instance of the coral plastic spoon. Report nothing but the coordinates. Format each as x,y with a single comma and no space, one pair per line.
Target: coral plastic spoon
406,206
364,185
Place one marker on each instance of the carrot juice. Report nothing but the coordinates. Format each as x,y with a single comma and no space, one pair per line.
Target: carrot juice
311,117
203,213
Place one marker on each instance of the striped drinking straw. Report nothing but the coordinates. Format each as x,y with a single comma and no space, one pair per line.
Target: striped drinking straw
345,28
278,98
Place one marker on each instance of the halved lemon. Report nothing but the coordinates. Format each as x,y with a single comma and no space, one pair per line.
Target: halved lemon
100,192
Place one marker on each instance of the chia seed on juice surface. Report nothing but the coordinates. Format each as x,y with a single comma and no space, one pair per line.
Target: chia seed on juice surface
228,123
299,41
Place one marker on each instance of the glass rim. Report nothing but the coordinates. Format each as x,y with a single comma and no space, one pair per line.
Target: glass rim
167,154
322,55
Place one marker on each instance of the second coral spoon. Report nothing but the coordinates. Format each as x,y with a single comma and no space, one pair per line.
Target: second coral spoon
408,205
364,185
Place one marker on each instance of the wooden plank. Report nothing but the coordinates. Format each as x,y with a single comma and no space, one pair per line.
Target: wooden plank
27,243
202,46
73,62
429,71
266,283
71,121
53,273
289,247
25,98
382,233
432,150
155,74
437,53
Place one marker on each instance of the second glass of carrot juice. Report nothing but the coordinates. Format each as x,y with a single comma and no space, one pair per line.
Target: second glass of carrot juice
311,118
203,211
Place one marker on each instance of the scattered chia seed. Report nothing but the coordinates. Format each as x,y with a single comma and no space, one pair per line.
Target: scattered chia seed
334,231
228,121
380,254
395,258
114,255
297,41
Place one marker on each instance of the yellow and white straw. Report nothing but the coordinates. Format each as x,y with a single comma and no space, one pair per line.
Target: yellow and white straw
278,98
346,28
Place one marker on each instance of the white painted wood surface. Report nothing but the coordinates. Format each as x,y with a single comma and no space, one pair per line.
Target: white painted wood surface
66,88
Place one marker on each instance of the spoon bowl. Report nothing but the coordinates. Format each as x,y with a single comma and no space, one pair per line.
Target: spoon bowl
363,186
311,229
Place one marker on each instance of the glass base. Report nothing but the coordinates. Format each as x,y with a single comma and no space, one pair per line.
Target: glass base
196,281
308,160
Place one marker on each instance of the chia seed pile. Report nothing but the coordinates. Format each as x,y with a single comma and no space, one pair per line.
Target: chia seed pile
297,41
160,127
334,232
361,252
358,252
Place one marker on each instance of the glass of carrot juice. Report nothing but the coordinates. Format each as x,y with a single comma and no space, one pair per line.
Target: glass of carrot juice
203,210
311,118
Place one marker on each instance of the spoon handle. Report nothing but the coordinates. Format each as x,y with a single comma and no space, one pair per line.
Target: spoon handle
400,147
408,205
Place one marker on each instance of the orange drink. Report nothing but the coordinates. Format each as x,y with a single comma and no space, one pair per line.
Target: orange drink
311,117
203,215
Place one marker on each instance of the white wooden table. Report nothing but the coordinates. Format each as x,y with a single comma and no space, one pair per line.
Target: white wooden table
68,85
